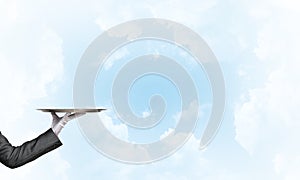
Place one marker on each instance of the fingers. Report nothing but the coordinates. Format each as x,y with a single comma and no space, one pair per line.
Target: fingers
54,115
76,115
67,115
58,123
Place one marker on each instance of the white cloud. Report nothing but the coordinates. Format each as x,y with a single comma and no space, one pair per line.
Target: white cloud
180,11
8,13
118,130
286,166
276,102
266,118
28,72
31,62
145,114
187,163
118,55
288,4
51,167
166,133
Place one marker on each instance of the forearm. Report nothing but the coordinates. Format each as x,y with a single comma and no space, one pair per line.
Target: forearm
14,157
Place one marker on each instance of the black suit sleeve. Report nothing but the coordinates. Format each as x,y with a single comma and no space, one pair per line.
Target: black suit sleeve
16,156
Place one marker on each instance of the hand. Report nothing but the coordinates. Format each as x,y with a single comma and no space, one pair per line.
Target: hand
59,122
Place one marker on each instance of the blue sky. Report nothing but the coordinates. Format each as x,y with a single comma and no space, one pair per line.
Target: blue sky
148,85
256,42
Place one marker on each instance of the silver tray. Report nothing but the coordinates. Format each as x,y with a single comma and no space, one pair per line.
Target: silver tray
65,110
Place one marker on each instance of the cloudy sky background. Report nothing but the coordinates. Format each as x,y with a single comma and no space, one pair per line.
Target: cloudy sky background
256,43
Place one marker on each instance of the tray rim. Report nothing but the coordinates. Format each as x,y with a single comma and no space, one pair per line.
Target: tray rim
64,110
